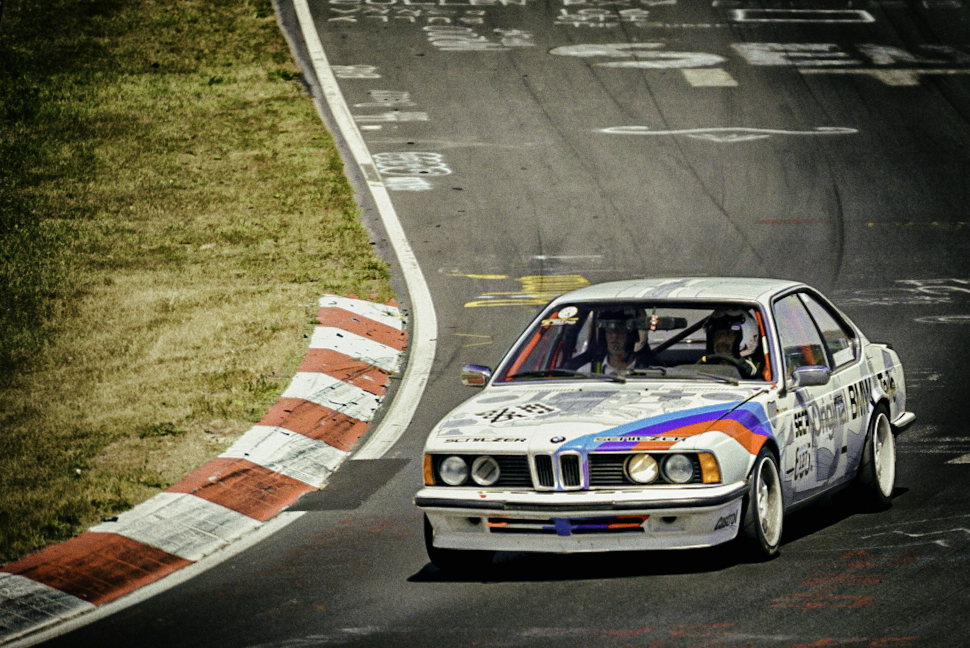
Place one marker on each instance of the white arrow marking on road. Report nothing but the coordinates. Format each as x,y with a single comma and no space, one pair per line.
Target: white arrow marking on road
729,134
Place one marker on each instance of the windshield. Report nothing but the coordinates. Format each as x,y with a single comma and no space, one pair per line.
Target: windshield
621,341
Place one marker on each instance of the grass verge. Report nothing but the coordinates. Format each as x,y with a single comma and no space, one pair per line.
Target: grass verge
171,208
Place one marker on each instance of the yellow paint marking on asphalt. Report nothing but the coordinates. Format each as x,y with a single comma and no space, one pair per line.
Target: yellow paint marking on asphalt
478,276
537,290
474,335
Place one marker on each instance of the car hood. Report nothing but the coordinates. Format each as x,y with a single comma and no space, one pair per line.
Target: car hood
602,417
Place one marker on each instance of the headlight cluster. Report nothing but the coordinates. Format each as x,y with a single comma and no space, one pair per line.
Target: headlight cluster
456,471
645,468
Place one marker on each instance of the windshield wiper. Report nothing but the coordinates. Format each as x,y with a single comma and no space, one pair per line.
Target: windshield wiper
725,379
645,371
565,373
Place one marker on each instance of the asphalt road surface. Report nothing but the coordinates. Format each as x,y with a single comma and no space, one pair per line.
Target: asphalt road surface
531,147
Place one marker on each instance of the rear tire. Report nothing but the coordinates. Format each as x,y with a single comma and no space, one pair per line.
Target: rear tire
763,510
455,560
877,469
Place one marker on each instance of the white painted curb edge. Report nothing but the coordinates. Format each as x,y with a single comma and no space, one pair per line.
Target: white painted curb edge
423,339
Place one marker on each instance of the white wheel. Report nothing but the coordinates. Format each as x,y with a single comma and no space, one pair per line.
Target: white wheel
877,470
764,509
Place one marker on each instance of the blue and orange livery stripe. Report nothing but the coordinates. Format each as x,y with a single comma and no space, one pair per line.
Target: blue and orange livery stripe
746,423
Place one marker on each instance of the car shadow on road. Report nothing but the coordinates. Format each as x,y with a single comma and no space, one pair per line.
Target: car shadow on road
538,567
827,513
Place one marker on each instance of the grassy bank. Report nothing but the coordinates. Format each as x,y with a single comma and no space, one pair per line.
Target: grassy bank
171,208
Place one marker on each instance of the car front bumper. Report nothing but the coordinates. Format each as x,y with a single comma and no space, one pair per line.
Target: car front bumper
579,521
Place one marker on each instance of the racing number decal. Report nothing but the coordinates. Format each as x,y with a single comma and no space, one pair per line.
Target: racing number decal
803,462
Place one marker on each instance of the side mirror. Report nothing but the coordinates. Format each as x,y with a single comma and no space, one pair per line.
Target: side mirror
810,376
475,375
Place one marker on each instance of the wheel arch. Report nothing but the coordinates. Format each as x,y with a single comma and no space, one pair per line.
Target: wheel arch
882,401
772,444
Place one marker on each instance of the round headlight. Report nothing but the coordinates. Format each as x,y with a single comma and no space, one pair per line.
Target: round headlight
485,471
642,468
678,469
453,471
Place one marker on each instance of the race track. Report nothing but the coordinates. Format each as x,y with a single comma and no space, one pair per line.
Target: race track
533,147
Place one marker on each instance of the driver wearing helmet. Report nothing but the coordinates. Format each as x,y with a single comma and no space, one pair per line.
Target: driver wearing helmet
620,335
733,337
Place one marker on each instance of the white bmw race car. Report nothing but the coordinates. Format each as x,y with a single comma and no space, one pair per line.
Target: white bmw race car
663,414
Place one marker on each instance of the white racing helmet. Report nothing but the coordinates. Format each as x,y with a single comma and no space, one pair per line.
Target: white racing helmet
743,323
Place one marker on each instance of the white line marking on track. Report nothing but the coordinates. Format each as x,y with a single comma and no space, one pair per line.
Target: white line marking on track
424,322
728,134
889,77
801,16
708,78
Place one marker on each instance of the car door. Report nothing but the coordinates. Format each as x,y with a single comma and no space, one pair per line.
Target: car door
811,416
853,404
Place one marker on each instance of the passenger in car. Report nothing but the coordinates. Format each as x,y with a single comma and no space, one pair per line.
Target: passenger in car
734,338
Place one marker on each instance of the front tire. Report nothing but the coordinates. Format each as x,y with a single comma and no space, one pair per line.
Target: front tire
763,511
877,469
454,560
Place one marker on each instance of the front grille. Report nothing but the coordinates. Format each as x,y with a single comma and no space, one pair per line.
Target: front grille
607,470
544,475
572,476
513,471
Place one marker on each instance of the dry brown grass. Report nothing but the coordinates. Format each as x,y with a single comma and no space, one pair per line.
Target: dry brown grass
198,210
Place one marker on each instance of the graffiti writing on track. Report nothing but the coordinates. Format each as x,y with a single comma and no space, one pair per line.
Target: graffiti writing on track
411,164
852,580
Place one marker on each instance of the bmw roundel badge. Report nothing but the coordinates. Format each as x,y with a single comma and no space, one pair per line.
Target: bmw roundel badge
557,439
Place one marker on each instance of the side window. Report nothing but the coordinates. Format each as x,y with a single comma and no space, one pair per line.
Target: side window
800,341
837,339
